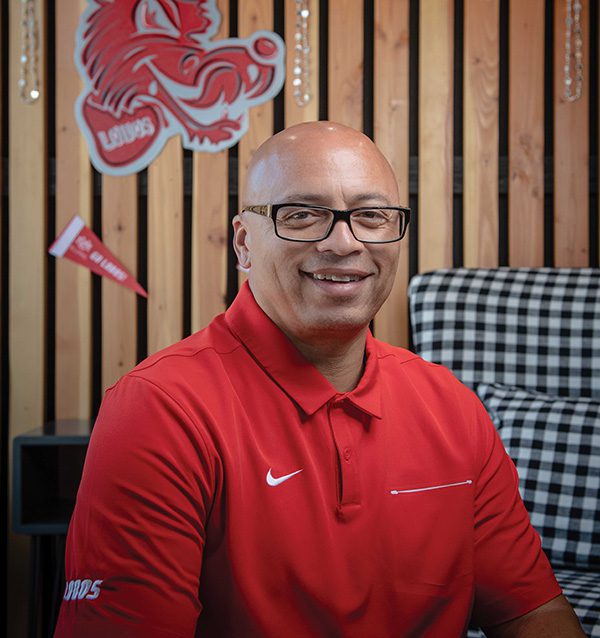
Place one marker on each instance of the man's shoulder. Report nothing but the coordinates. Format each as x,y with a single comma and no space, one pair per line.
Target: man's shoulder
432,391
397,362
190,359
397,356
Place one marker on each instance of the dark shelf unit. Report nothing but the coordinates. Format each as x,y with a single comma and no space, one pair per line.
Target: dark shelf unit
47,466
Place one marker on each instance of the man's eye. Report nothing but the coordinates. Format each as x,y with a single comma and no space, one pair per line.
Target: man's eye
300,215
371,215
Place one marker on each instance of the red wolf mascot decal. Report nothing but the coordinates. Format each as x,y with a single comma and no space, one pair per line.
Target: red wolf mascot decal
151,72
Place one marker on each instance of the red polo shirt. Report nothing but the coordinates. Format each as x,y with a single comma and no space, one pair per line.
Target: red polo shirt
230,490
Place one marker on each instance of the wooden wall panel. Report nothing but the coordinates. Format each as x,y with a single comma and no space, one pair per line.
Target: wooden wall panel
526,134
73,363
210,238
571,151
253,16
28,244
436,59
480,122
345,72
391,111
165,247
210,224
119,304
293,112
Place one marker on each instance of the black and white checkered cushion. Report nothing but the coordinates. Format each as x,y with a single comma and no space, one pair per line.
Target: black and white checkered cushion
555,444
582,590
532,328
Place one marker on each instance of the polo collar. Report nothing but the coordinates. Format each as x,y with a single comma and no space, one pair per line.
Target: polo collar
284,363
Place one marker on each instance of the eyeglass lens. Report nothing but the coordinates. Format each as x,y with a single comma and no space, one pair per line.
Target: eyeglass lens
368,224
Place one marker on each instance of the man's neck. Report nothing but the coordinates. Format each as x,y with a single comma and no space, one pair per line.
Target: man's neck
340,362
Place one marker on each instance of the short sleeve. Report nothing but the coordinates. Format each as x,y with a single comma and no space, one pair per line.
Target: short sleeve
512,574
136,538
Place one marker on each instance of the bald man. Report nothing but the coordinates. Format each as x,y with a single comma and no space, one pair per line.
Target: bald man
284,474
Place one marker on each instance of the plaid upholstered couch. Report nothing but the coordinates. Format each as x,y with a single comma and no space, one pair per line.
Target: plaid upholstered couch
527,341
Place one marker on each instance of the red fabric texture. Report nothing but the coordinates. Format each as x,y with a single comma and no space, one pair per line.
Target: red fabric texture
404,517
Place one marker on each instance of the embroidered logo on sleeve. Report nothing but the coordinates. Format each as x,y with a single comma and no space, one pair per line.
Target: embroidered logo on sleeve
80,589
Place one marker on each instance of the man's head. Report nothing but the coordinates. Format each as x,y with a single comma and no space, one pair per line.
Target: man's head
331,165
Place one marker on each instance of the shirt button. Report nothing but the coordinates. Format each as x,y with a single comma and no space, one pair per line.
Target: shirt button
347,453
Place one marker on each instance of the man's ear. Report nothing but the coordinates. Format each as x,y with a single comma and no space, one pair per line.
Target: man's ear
240,241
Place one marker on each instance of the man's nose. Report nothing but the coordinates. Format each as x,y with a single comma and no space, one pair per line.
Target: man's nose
341,240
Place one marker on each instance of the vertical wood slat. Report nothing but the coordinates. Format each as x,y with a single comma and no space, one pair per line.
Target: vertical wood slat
165,247
28,244
480,122
345,72
526,134
73,362
436,57
571,150
119,304
294,113
210,224
391,122
253,16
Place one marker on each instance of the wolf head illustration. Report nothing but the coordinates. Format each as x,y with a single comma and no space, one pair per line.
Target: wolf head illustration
152,71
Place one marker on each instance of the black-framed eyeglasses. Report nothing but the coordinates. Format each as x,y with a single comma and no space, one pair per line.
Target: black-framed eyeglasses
307,222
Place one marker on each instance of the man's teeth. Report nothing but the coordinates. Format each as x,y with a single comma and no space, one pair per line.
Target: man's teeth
342,278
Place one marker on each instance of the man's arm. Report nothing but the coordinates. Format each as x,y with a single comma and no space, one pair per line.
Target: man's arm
139,522
555,619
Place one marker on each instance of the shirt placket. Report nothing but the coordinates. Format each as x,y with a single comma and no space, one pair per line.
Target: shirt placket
344,431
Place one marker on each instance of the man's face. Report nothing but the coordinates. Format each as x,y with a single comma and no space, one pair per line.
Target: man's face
337,168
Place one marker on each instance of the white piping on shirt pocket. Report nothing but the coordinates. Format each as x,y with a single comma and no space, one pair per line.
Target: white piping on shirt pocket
431,487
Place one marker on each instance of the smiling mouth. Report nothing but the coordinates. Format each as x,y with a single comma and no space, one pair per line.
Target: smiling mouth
343,279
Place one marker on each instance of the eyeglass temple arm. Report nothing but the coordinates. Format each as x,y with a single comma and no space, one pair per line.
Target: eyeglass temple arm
261,210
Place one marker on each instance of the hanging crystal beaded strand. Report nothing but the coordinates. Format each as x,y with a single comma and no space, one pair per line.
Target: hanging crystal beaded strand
573,32
29,79
301,71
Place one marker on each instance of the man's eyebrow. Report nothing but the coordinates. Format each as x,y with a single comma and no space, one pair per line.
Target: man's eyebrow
304,198
316,198
378,198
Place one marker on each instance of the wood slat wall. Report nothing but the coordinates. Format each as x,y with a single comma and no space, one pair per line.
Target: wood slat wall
295,114
27,269
210,224
119,306
165,247
526,133
391,134
345,78
424,77
571,156
73,341
436,133
253,16
480,121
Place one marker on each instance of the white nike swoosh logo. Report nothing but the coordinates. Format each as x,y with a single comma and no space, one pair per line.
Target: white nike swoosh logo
272,481
432,487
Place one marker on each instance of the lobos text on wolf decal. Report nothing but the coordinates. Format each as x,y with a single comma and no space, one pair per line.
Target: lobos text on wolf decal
152,72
